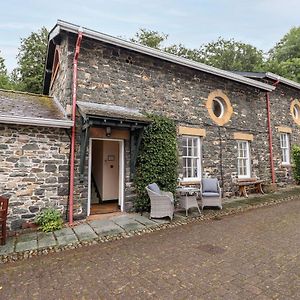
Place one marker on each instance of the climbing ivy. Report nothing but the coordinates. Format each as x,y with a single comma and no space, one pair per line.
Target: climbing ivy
157,160
296,162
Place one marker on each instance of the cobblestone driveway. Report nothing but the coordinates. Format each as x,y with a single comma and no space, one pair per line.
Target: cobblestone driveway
254,255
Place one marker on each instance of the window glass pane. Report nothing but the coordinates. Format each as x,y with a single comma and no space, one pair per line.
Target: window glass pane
243,159
191,157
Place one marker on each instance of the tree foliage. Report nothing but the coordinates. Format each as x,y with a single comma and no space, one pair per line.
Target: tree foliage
31,60
149,38
284,58
4,78
157,160
224,54
232,55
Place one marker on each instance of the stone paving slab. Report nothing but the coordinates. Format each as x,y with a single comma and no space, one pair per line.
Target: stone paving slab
161,221
84,232
128,224
67,239
27,237
46,240
63,232
65,236
9,247
105,227
25,246
144,220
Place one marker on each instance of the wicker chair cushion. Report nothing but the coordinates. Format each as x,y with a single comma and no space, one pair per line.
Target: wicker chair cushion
210,194
154,188
210,185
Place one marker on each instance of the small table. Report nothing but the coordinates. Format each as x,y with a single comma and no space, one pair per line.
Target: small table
188,200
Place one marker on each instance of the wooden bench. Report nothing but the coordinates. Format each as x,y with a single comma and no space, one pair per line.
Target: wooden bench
249,184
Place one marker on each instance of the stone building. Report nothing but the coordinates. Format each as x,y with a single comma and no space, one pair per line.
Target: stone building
285,121
219,114
221,119
34,154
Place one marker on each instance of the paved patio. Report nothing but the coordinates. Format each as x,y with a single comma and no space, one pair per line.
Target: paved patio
84,232
253,255
120,225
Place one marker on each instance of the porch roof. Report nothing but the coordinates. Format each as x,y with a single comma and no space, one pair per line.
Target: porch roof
111,112
95,114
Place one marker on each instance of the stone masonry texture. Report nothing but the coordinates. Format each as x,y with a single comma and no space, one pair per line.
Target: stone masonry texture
253,255
34,171
281,100
112,75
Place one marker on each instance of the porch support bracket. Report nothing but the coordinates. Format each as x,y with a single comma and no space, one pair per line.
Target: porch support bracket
135,142
84,137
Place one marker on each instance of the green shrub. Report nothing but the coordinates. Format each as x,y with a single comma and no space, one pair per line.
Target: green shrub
49,220
296,162
157,160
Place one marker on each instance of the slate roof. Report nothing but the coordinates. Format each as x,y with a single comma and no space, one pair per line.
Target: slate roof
111,111
275,77
27,108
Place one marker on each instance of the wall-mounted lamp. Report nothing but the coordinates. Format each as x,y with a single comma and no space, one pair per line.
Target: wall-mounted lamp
108,131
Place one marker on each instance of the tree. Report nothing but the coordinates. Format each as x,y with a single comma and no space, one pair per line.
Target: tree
4,78
181,50
232,55
284,58
149,38
224,54
31,60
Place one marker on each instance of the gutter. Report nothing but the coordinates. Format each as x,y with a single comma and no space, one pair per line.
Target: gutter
282,80
65,26
35,121
73,137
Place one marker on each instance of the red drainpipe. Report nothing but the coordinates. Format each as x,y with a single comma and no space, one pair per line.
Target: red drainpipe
72,158
270,134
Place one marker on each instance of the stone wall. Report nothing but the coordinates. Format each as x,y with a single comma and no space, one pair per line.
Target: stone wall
61,88
281,116
113,75
34,170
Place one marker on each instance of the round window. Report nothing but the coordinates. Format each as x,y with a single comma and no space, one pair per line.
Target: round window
219,107
295,111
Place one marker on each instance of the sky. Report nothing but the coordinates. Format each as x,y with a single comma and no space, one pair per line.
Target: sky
261,23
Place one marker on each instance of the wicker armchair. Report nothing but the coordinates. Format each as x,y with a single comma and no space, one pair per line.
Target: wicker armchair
211,193
162,203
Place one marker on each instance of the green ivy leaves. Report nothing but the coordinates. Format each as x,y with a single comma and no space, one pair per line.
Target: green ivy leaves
296,162
157,160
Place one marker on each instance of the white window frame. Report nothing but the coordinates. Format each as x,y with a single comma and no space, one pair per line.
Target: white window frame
285,148
198,157
246,158
221,107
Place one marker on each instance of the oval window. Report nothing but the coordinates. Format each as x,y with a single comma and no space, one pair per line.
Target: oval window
219,107
295,111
